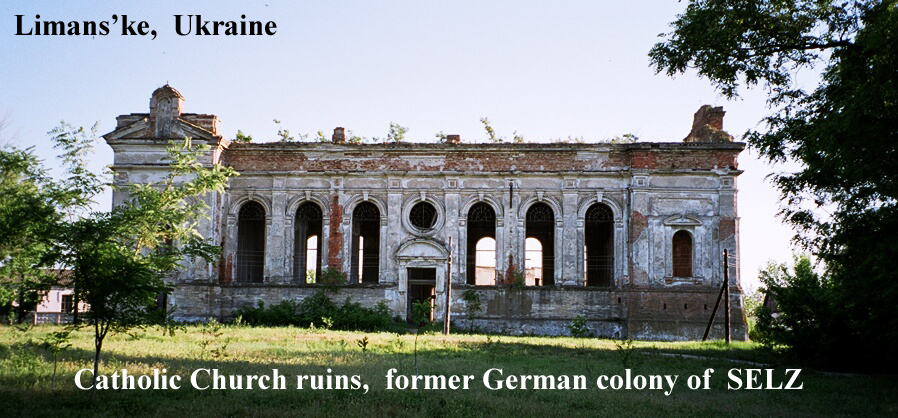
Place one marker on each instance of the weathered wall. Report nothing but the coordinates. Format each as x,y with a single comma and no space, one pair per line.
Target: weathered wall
653,190
201,301
640,314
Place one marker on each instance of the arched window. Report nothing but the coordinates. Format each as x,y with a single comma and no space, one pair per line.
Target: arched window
481,225
485,262
365,243
682,254
533,262
599,242
306,243
541,227
251,243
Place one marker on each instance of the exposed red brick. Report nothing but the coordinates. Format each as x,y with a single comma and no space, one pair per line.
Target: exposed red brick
727,228
461,158
224,270
638,223
334,258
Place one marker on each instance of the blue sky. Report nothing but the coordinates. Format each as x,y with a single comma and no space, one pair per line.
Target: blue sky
543,69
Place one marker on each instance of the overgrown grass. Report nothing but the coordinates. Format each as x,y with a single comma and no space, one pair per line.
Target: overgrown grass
27,387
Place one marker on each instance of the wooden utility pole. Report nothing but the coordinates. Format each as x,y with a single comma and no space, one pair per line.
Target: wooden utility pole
448,289
724,291
726,296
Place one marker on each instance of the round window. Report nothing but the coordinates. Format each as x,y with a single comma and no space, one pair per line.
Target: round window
423,215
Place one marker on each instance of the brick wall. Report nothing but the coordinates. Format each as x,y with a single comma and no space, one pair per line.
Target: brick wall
311,157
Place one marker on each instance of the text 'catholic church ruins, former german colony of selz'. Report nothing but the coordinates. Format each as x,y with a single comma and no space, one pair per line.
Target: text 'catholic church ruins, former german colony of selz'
629,236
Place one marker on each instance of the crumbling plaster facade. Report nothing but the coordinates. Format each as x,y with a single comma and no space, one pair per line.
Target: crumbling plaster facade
653,190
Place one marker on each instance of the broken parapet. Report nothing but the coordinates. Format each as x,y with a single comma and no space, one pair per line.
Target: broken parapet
707,126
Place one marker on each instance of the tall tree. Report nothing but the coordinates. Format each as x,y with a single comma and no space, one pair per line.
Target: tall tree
33,208
843,201
119,259
28,213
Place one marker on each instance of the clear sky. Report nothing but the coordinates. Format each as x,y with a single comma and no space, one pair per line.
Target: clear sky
545,69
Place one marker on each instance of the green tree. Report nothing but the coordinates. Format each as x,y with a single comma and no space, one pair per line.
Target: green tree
843,201
119,258
807,308
33,208
28,212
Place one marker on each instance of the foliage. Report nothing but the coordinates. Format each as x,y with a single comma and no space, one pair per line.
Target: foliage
284,134
472,305
57,342
27,388
472,302
321,137
578,327
164,318
211,341
490,132
119,259
363,343
810,319
311,276
421,311
28,214
570,140
33,211
519,280
397,132
756,42
354,139
441,137
319,311
625,350
627,138
842,200
241,137
752,302
332,276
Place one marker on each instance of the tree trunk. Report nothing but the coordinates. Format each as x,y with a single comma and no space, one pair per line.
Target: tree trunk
20,310
98,344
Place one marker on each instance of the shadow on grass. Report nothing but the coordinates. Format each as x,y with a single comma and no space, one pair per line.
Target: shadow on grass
24,386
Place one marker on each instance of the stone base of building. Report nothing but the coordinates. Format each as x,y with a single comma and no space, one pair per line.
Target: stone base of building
644,314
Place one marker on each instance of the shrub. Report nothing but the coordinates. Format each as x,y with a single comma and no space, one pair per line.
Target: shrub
810,319
578,327
421,312
318,310
332,276
520,280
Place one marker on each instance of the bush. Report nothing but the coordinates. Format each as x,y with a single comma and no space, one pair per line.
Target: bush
421,312
331,276
320,311
809,318
578,327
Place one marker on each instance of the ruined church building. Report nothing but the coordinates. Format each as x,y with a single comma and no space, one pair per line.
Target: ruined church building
629,236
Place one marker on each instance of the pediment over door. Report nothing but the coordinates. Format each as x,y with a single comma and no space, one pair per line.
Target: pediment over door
422,249
682,220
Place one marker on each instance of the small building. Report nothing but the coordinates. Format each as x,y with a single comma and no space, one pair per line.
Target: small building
629,236
58,306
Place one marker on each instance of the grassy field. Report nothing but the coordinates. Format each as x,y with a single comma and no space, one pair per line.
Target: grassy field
28,388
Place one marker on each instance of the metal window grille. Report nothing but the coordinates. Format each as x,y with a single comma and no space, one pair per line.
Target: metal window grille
423,215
